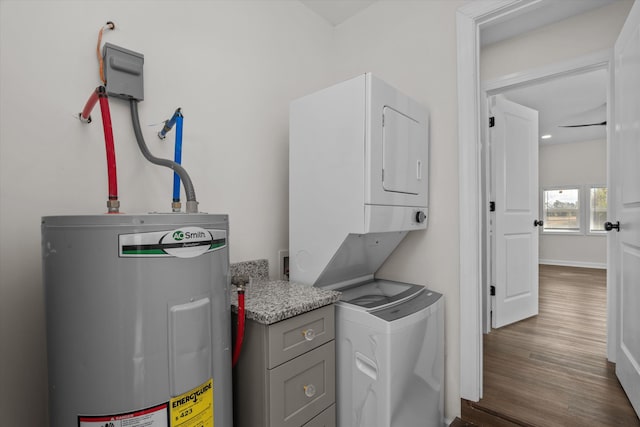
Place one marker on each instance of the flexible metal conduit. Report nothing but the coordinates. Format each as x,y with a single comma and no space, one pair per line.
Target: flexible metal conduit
192,204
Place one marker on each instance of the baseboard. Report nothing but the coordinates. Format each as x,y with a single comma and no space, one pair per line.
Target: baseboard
582,264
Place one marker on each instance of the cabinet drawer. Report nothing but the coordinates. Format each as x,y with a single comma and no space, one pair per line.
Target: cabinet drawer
303,387
327,418
297,335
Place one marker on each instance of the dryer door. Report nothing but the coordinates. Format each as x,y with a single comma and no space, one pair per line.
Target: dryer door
397,148
402,160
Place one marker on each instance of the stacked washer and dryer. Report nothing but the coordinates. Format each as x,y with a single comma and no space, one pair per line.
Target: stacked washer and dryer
359,169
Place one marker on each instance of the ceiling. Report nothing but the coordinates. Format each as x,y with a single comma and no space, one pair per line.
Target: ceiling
543,12
571,100
577,99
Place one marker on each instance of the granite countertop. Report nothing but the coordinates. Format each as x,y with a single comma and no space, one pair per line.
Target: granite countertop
270,301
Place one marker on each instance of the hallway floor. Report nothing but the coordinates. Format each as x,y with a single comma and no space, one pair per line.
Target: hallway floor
551,370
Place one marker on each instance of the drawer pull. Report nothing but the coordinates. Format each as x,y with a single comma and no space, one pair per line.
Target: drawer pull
309,334
309,390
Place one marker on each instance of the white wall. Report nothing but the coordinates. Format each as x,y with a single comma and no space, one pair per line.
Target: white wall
412,45
579,164
233,67
571,38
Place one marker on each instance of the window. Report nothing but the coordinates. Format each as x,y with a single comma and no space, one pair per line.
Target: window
561,210
597,209
564,211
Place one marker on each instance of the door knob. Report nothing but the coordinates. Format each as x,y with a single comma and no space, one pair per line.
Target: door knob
610,226
538,223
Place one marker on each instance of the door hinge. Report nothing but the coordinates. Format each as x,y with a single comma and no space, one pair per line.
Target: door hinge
492,122
492,206
492,290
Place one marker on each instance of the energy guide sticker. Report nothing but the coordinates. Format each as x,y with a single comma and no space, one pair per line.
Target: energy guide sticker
150,417
193,408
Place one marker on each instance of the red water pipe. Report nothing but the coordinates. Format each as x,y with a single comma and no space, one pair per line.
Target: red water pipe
85,116
100,94
240,330
108,141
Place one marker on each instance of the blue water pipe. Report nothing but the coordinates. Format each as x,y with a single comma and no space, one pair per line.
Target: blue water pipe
176,120
177,156
168,124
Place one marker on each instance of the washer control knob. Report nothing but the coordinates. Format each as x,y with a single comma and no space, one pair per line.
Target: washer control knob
420,217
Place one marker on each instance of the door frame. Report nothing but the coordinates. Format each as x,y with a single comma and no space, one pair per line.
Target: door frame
472,110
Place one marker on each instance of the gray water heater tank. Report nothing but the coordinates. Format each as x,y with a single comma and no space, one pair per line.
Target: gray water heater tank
138,320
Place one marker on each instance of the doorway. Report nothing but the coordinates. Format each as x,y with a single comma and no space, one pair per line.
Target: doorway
471,19
567,205
622,271
537,367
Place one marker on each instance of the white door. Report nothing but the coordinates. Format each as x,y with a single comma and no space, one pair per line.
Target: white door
626,155
514,164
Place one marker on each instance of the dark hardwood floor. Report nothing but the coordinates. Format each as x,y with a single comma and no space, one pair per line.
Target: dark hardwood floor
551,370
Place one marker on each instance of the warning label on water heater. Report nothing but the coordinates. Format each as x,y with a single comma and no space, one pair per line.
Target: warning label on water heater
150,417
193,408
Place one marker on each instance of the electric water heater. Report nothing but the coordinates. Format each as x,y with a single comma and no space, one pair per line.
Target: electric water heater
138,320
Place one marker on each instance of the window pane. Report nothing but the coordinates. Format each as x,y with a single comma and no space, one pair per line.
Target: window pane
561,209
598,208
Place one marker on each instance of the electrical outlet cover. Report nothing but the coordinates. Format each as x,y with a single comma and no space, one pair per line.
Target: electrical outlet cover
283,261
123,72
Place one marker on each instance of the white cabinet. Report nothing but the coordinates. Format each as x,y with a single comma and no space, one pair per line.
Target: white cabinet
358,165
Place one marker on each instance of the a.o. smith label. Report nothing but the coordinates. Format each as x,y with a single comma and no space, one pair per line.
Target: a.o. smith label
185,242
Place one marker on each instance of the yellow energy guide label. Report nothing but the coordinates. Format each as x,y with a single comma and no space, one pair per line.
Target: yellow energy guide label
193,408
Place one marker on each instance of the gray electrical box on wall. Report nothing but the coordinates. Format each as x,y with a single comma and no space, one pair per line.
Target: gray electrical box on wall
123,72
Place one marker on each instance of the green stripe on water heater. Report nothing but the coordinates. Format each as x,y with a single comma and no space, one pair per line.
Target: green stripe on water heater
145,252
218,244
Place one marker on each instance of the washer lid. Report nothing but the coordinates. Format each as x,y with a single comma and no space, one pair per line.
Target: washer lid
376,294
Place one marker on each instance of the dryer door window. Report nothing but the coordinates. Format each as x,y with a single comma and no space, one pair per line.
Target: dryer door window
401,162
